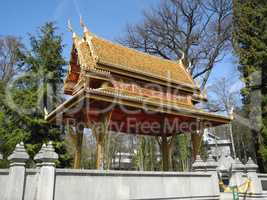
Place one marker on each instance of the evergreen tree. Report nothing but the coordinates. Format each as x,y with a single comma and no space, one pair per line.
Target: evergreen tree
250,22
182,153
37,90
145,158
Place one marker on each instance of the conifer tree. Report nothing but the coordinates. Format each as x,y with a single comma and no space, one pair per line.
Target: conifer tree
250,34
37,90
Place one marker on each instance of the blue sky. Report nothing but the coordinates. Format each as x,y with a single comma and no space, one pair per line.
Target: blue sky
105,18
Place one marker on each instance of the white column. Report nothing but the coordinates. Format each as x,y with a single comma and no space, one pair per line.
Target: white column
47,156
211,167
237,173
16,180
255,186
38,156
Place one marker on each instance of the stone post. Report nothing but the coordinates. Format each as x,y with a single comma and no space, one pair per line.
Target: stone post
39,155
199,165
237,171
16,179
255,185
211,167
47,156
1,156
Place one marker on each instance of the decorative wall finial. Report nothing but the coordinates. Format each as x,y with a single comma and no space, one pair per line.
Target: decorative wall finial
199,164
211,164
251,166
238,165
19,155
38,156
47,155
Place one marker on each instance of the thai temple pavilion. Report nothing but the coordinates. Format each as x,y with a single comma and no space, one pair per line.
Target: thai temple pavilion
118,89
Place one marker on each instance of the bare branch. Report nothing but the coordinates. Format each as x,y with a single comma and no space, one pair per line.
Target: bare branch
200,29
9,49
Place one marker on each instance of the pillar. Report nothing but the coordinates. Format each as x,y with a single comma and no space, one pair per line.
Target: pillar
165,153
255,188
38,156
16,179
78,147
1,156
196,139
46,183
166,145
211,167
99,131
237,172
100,150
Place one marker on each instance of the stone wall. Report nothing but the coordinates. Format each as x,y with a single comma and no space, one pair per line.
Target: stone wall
81,184
263,180
45,182
3,180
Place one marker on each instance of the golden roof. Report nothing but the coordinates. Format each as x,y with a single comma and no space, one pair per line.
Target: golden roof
95,52
130,59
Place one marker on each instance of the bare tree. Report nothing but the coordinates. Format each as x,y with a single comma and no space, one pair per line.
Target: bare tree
9,49
223,96
196,31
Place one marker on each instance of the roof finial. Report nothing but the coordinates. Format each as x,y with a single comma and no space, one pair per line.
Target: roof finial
45,113
231,112
81,21
85,29
197,83
181,58
182,54
71,29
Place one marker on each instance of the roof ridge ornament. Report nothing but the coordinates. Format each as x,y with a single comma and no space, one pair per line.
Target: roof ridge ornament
88,36
181,58
231,113
45,113
69,26
197,83
182,54
85,28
